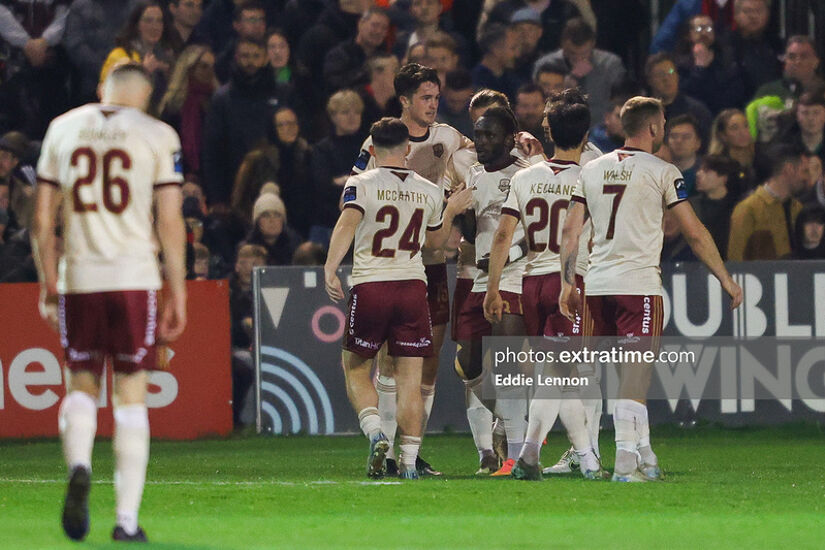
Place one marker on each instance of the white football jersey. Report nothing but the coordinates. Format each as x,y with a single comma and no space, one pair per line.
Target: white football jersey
490,190
539,197
107,161
430,156
399,206
626,192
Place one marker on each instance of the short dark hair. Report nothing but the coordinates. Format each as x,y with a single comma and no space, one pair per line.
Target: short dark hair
777,155
801,39
555,67
577,31
685,118
487,97
389,132
491,35
504,116
722,165
374,10
441,39
568,117
249,5
458,79
809,99
655,59
243,40
637,111
411,77
131,67
529,88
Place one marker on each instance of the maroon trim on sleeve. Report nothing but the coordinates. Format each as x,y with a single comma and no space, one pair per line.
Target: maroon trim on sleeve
671,205
434,227
577,198
355,206
510,212
47,181
167,183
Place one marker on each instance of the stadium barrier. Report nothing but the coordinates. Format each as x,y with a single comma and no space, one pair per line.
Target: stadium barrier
190,398
299,330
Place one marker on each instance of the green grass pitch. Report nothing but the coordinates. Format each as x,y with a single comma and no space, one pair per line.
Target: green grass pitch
725,488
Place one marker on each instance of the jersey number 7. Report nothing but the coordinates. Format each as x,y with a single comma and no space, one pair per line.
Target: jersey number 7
618,191
113,204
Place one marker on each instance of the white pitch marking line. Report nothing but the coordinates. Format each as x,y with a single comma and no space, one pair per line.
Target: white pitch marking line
213,483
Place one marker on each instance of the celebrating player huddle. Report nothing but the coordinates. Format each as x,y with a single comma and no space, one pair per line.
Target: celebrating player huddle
532,228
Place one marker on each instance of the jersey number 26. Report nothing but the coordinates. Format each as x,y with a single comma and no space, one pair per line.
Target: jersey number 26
112,203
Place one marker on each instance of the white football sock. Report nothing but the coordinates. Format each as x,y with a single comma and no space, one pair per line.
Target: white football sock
626,415
573,415
479,417
131,445
592,400
370,422
427,396
77,422
543,414
643,445
387,408
512,412
409,450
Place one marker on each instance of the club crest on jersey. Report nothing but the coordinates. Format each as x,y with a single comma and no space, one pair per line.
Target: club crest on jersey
438,150
504,185
681,189
350,193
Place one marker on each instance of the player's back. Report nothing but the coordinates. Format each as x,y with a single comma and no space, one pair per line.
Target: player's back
398,207
626,192
107,162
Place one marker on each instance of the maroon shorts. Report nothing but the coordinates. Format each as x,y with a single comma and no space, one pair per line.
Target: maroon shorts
463,287
542,316
389,311
438,293
471,324
625,316
120,325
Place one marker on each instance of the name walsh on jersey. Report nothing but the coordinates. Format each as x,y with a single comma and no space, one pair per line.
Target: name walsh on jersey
556,188
618,175
401,195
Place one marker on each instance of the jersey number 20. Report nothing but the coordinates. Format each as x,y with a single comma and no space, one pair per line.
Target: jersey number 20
110,202
548,215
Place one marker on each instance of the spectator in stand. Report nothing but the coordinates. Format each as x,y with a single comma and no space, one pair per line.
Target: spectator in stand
762,225
427,22
755,51
345,64
552,16
529,111
455,98
241,309
146,39
91,26
271,231
550,76
186,101
499,48
442,55
259,167
186,14
707,72
298,16
332,159
379,95
249,23
36,70
278,54
309,254
806,126
799,73
417,53
663,80
526,24
202,262
239,119
609,134
594,71
17,179
294,175
809,230
729,136
720,13
713,202
815,188
683,144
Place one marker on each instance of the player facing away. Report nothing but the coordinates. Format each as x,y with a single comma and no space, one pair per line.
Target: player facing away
494,134
432,147
625,192
393,214
535,207
116,172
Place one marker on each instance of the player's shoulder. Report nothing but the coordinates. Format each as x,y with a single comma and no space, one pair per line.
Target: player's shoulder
476,169
73,116
441,132
521,164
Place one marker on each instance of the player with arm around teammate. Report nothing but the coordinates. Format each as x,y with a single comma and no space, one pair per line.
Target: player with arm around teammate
115,170
625,192
391,213
535,205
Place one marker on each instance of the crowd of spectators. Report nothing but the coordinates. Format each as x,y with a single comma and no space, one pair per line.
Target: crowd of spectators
272,100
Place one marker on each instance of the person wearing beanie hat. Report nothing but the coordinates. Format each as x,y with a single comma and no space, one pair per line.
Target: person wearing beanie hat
270,229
